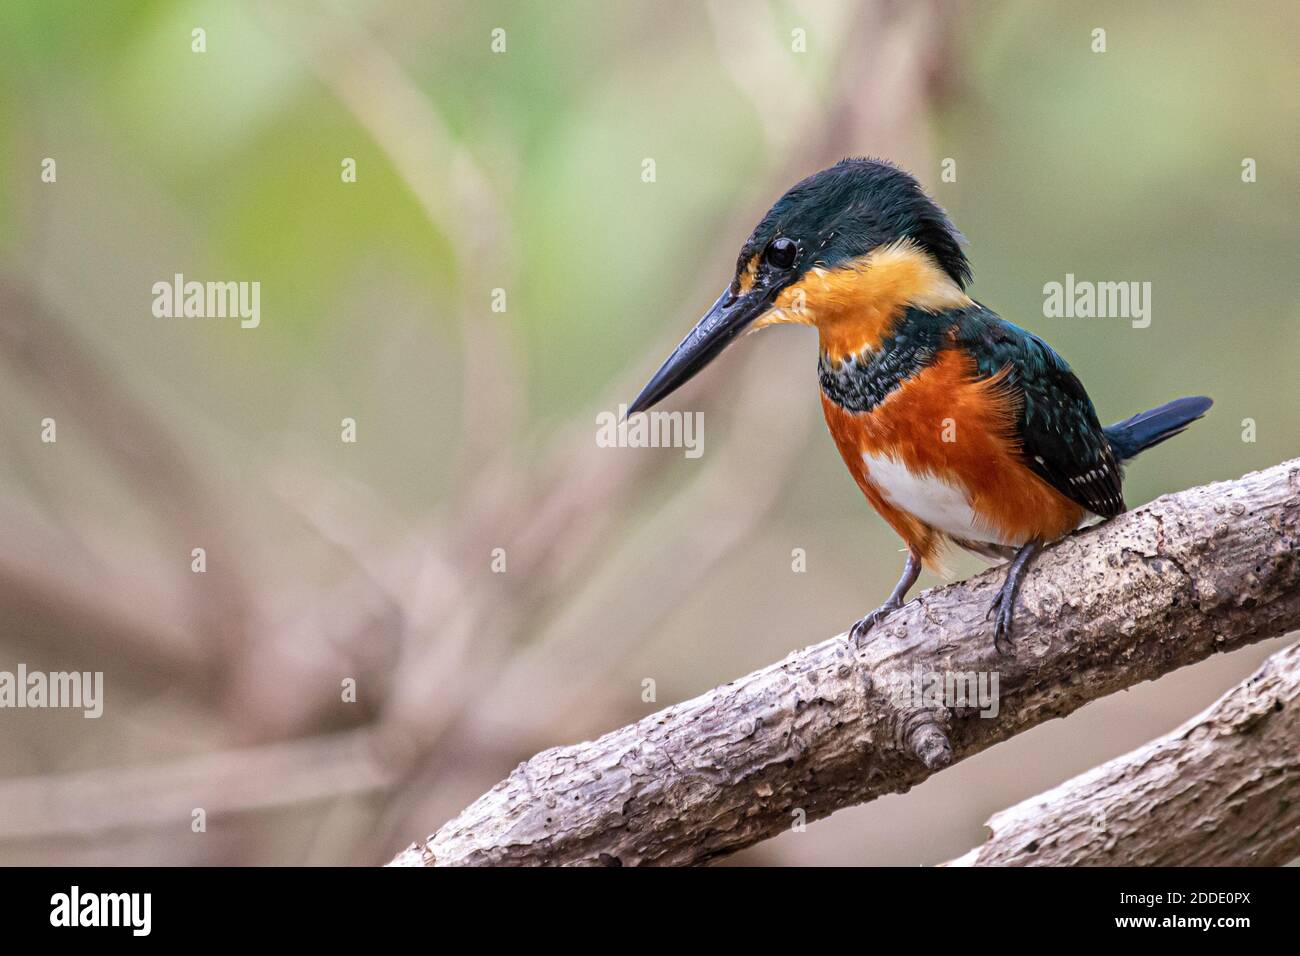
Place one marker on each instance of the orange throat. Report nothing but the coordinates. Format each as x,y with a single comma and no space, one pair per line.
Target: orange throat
853,307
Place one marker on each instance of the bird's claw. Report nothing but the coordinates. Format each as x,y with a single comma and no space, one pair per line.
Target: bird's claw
859,630
1002,610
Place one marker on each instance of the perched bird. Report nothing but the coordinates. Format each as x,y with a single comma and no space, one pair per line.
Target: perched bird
959,427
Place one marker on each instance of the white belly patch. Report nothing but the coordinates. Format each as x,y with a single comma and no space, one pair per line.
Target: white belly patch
928,497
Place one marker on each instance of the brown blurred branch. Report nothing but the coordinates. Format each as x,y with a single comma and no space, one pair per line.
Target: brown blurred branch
256,778
1221,790
42,348
48,575
1205,570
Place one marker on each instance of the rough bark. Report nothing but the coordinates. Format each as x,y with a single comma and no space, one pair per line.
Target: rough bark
1221,790
1205,570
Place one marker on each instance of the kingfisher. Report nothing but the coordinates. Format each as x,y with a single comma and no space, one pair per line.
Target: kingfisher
960,428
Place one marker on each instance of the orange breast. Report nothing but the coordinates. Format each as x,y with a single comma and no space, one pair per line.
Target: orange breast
945,458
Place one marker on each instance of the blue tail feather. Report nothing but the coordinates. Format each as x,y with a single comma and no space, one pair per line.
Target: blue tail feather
1149,428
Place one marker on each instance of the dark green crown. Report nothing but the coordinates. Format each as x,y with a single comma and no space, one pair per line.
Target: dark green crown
844,212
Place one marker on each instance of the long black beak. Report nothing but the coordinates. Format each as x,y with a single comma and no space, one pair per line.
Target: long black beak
725,320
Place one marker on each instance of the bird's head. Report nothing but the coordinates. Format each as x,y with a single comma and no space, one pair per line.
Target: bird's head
844,250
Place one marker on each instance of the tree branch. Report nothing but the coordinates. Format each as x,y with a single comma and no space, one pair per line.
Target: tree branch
1221,790
1205,570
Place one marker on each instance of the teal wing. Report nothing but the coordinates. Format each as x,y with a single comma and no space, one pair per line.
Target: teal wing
1060,437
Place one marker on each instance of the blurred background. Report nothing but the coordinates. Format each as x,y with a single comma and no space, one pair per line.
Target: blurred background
377,561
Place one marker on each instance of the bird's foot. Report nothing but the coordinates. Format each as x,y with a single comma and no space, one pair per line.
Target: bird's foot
1002,610
858,632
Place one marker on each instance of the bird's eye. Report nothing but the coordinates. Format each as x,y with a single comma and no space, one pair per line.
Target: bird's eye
781,252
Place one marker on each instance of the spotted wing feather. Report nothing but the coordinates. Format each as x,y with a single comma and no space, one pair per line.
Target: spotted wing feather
1060,437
